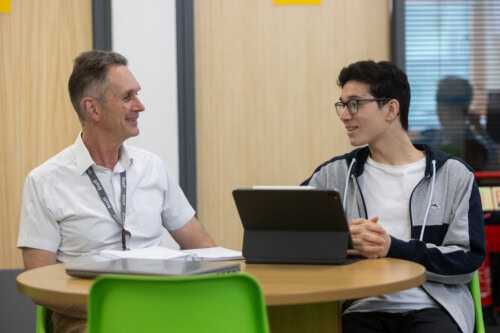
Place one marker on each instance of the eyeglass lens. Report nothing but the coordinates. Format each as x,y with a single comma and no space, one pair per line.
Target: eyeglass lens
352,106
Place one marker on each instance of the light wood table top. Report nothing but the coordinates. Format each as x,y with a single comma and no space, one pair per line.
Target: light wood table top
282,284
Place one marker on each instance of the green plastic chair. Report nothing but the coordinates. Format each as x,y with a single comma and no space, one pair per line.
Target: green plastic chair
231,302
43,320
478,310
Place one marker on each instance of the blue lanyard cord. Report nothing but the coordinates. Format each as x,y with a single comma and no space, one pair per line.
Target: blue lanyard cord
104,197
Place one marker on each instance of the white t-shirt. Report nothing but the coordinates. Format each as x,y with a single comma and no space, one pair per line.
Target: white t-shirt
63,213
386,191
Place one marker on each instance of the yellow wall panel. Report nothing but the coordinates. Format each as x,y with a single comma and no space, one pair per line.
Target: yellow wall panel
265,87
38,41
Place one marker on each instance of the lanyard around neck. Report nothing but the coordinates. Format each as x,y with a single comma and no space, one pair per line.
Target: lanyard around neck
107,203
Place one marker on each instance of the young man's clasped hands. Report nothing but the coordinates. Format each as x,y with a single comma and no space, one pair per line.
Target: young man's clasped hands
369,238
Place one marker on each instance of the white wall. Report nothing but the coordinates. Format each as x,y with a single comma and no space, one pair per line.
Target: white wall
145,33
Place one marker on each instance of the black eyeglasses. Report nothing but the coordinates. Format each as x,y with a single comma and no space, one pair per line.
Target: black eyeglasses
353,104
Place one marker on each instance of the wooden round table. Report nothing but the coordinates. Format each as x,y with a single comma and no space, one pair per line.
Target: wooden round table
300,298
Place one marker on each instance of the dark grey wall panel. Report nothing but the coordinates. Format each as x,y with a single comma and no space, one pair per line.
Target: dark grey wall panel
398,33
17,312
186,98
101,24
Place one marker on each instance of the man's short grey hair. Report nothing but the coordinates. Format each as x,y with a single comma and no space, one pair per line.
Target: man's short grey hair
89,76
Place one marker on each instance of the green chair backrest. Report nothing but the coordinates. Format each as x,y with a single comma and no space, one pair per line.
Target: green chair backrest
230,302
478,310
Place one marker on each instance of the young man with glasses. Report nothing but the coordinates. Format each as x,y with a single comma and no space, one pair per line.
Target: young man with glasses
403,201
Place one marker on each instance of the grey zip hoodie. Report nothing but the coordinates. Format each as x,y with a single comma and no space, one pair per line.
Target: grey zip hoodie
447,228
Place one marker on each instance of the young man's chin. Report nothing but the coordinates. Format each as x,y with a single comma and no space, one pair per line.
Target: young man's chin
357,143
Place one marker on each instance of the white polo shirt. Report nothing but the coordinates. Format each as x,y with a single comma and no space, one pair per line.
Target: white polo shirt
63,213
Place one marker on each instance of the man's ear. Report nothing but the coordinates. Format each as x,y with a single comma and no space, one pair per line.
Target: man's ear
393,110
91,108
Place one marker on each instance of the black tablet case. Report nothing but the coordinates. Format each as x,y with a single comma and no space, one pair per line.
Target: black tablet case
292,226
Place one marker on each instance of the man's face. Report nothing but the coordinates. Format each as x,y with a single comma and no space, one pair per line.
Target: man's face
368,124
121,107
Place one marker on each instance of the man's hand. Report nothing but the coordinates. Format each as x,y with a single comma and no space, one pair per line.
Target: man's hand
369,238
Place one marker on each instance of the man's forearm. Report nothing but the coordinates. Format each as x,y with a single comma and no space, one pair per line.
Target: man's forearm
192,235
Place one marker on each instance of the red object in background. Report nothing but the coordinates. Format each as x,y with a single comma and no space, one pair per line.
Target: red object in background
493,245
492,233
487,174
484,275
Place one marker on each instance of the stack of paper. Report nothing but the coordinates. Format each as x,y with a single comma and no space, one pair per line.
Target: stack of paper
156,252
159,252
214,254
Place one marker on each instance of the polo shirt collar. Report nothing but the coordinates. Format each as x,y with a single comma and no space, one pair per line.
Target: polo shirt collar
125,161
83,159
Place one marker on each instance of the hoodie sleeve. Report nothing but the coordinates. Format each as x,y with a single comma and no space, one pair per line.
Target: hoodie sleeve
461,250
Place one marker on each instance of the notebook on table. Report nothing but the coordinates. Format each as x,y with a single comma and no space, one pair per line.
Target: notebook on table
134,266
293,225
160,252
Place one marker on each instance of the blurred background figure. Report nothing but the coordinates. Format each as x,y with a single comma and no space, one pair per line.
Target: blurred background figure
461,133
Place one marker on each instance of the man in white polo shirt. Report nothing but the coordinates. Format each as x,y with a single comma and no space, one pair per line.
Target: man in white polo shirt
99,193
